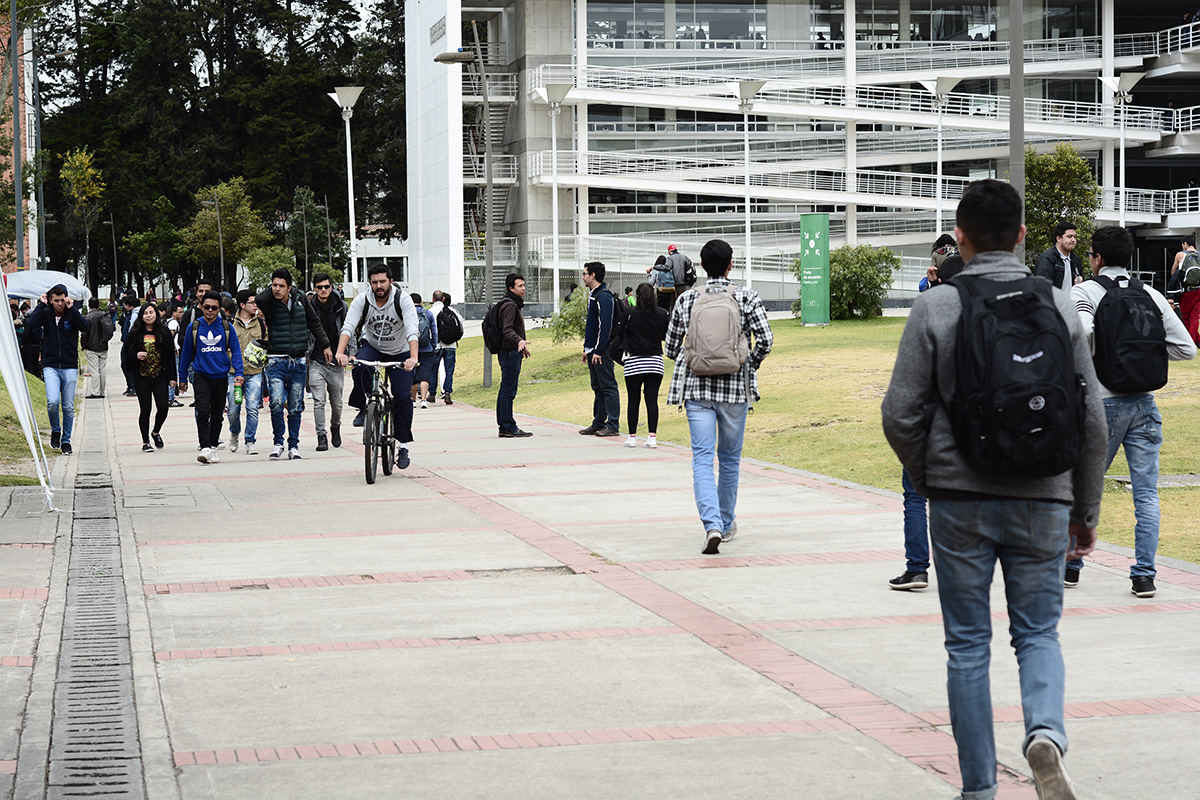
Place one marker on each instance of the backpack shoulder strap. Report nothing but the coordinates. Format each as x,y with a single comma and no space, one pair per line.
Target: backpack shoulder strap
1108,283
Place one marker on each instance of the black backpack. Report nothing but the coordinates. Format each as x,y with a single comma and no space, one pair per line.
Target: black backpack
1130,338
493,334
450,330
1018,407
620,320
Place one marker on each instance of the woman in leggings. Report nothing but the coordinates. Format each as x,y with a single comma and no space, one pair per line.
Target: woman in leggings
644,334
149,353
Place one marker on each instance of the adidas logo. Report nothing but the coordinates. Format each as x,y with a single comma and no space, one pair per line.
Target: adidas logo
211,342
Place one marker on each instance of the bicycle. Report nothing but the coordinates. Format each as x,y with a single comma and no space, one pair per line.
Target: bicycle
377,438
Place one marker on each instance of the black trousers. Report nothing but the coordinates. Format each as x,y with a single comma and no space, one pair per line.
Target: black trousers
155,388
648,385
210,407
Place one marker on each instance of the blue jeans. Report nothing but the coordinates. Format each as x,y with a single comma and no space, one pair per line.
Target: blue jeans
1134,421
445,355
510,373
916,529
60,392
1029,539
252,390
606,408
716,429
286,377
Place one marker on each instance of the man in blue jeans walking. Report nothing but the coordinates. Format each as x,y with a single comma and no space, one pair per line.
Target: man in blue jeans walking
61,323
513,350
598,330
716,405
1133,419
1028,524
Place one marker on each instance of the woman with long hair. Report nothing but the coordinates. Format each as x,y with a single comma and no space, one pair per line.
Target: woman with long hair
149,352
644,334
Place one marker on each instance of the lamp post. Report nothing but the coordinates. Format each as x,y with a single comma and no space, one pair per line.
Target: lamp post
463,56
1121,88
940,89
328,233
346,97
304,227
556,93
216,204
746,90
112,226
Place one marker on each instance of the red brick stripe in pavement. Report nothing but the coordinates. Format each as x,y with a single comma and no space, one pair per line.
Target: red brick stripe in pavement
400,644
23,593
1167,574
516,741
793,559
309,582
8,767
285,537
26,546
1109,708
16,661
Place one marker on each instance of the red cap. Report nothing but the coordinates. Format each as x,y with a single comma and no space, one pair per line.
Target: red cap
671,248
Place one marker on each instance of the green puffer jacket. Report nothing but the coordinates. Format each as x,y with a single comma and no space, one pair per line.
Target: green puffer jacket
288,329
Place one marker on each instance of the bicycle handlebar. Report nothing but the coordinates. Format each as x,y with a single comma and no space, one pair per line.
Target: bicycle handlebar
388,364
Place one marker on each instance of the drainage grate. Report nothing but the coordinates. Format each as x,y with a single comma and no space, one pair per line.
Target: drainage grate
94,748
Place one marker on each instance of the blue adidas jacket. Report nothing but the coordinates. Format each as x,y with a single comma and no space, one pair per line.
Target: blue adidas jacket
212,360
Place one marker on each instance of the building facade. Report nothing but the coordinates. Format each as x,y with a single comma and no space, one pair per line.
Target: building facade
664,110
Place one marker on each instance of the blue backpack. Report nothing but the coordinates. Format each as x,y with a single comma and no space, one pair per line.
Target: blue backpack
424,330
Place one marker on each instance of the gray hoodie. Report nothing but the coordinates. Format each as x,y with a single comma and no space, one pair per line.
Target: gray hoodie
917,425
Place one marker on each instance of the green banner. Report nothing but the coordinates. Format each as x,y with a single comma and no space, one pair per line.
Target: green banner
814,269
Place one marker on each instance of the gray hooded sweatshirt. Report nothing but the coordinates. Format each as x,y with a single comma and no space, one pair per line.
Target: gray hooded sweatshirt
917,425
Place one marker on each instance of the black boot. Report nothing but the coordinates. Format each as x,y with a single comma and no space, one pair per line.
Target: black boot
335,435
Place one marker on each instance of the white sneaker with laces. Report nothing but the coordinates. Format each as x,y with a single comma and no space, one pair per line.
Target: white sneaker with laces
205,455
631,441
651,442
251,450
424,404
294,454
276,452
233,445
215,458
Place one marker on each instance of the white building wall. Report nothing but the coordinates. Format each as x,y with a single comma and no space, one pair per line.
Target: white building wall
435,166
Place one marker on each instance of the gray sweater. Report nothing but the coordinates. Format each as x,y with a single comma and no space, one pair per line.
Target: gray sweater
917,425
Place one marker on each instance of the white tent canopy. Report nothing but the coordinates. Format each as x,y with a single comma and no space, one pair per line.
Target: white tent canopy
35,283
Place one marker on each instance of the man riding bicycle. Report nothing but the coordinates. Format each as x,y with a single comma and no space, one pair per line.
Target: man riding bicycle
389,333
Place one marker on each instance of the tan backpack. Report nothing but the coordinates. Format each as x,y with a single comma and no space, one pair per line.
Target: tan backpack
715,343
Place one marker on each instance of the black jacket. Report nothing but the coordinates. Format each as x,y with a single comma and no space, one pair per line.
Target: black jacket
1050,266
331,316
288,329
60,347
134,344
644,332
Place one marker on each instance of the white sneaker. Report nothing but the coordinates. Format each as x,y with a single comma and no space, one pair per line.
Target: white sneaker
276,452
233,445
294,454
251,450
651,442
424,404
206,454
214,458
220,444
631,441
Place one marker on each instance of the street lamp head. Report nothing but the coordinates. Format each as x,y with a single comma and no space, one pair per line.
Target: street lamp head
556,93
460,56
345,96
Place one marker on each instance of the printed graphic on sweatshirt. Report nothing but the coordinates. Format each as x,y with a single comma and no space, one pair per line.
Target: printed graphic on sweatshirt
211,343
383,327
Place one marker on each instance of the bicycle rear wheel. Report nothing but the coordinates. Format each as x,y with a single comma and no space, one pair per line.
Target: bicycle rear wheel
371,440
388,449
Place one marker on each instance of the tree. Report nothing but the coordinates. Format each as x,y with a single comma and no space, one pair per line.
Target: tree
83,188
859,277
380,161
310,239
239,231
1058,186
160,250
262,261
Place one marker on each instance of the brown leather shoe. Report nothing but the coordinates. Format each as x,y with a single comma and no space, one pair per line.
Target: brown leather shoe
608,432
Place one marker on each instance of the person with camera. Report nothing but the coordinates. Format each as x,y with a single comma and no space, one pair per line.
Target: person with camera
250,332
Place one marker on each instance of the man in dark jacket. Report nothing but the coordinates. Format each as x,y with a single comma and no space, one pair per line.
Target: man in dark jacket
326,378
95,346
61,324
1053,264
290,318
606,408
511,353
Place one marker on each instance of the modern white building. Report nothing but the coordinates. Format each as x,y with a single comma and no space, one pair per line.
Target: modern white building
669,107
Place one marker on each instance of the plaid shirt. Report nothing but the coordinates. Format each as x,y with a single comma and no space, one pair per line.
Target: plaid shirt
720,388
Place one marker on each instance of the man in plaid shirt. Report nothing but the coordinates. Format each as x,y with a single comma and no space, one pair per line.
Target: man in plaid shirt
716,405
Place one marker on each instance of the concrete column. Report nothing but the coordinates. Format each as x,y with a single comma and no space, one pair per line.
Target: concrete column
1107,70
851,51
580,117
905,20
1016,107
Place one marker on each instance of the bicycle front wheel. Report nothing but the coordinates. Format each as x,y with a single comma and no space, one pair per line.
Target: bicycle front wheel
387,449
371,440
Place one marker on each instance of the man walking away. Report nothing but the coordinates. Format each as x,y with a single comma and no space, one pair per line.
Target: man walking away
1185,280
95,347
983,510
1132,415
290,318
510,348
248,328
1060,264
60,324
327,377
450,326
129,305
663,281
212,351
716,382
387,319
427,336
681,267
606,407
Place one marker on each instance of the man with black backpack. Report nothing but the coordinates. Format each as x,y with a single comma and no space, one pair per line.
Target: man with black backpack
95,347
992,410
450,330
1185,284
1134,334
504,335
603,312
715,381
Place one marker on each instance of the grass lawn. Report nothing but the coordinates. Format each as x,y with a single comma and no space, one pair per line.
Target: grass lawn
822,388
14,450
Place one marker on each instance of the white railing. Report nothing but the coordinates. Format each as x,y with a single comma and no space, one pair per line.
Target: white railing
504,248
867,98
1186,201
1183,37
503,167
499,84
1187,120
1142,201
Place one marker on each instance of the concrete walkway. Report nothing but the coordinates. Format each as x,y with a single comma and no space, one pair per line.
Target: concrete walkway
532,619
